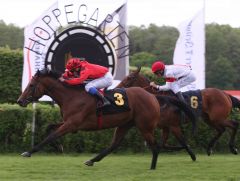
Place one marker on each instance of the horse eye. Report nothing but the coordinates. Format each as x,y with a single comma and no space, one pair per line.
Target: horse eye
31,85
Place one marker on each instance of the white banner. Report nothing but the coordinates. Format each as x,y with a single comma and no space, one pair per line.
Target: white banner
107,17
190,48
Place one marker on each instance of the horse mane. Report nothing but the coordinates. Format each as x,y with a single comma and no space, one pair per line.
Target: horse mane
137,74
146,78
47,72
55,75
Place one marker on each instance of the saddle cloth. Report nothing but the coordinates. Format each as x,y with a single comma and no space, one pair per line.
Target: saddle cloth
118,99
194,99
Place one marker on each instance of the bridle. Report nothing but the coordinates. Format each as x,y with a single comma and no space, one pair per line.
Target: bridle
33,88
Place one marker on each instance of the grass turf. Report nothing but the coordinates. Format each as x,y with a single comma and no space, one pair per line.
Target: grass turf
115,167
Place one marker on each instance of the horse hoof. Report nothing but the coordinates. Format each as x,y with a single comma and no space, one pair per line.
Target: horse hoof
26,154
209,152
193,158
89,163
234,151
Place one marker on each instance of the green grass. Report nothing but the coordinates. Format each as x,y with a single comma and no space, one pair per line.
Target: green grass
178,167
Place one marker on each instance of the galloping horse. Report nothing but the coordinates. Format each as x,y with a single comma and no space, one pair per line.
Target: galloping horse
216,108
78,110
170,120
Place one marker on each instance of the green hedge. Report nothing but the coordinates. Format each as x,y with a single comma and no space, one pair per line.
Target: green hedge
15,133
11,66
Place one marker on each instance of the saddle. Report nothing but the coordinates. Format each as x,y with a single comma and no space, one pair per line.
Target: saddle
118,99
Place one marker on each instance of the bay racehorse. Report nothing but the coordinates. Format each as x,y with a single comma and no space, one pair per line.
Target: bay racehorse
78,110
216,108
170,120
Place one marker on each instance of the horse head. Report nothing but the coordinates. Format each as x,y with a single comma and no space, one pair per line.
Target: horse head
36,88
134,79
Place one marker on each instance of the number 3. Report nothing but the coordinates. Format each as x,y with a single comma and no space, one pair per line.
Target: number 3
119,99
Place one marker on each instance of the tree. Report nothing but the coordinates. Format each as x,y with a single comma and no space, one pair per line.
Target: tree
11,36
142,59
223,76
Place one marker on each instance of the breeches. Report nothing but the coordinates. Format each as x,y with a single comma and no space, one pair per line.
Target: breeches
182,82
101,82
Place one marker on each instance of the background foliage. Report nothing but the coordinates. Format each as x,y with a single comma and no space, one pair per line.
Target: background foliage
11,65
147,44
16,133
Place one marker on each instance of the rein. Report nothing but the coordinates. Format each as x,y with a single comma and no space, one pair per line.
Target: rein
153,89
146,87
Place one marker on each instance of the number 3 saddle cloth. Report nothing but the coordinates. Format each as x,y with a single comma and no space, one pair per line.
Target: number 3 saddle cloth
118,99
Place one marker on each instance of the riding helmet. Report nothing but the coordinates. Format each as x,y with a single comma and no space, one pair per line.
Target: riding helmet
158,65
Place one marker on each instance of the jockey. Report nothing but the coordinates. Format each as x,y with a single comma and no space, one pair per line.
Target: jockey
176,77
77,71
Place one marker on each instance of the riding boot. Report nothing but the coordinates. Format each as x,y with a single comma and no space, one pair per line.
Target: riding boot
104,99
180,97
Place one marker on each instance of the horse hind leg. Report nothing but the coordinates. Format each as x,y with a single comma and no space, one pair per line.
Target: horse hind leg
233,125
57,145
119,134
220,130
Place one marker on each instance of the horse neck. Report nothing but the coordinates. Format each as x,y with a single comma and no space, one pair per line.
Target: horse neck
147,87
57,91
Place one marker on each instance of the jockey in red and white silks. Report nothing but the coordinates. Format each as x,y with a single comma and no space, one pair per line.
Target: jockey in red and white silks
77,71
176,76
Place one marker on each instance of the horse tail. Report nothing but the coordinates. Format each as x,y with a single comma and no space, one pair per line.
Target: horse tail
235,101
182,106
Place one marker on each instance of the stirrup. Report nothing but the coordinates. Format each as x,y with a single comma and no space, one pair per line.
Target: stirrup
105,103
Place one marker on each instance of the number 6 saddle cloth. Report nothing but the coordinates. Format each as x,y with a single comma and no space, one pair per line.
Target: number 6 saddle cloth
194,99
118,99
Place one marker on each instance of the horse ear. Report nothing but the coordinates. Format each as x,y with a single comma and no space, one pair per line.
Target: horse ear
38,72
48,70
45,71
138,69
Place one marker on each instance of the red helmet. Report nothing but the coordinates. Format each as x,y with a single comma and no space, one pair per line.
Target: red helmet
158,65
73,63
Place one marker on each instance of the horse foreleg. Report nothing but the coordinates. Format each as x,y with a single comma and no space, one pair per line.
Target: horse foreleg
220,131
119,134
179,136
151,142
164,145
55,144
164,137
63,129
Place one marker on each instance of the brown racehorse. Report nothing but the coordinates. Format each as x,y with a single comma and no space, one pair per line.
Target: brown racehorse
78,109
170,120
216,108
